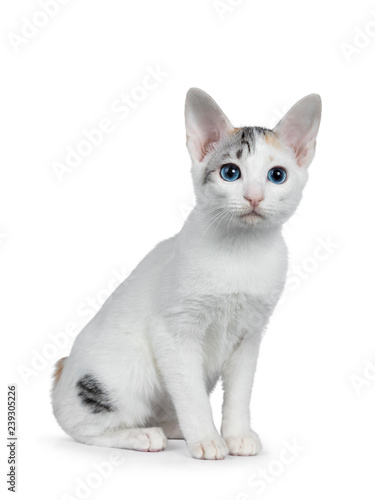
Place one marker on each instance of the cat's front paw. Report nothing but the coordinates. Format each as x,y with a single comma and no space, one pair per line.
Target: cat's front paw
209,449
244,445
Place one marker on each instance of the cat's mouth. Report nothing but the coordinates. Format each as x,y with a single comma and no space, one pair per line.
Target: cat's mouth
253,215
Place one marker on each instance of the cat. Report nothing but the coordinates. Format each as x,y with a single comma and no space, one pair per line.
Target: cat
195,308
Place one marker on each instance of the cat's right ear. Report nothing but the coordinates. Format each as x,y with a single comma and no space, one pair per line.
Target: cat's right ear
206,124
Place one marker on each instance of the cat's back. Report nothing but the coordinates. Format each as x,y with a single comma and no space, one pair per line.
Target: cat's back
138,290
132,303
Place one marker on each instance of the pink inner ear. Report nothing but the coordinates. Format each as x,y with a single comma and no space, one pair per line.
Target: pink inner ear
301,154
210,136
290,135
299,146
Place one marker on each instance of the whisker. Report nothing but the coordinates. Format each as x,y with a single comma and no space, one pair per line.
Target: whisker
190,223
218,224
230,221
212,221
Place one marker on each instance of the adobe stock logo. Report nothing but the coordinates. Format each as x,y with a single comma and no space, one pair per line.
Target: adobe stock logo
224,7
362,381
259,480
58,342
31,26
84,488
121,108
3,237
324,249
361,39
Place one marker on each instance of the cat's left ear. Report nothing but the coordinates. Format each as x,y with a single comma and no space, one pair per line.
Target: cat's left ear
299,128
206,124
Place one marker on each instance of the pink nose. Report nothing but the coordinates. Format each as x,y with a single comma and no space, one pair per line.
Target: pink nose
254,200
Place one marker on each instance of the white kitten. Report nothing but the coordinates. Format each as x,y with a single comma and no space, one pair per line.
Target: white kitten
195,308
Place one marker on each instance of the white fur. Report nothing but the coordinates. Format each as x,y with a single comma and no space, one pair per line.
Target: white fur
191,312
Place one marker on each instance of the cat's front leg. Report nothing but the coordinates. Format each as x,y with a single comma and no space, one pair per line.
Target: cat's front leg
180,360
238,376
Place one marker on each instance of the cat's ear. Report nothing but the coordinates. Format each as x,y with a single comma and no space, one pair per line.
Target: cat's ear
299,128
206,124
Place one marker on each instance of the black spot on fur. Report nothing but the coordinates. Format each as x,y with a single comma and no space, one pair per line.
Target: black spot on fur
239,154
247,144
93,395
247,137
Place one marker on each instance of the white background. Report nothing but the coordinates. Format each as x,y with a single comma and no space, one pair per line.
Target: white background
63,242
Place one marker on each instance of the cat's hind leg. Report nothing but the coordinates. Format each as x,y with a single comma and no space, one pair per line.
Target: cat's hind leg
139,439
91,409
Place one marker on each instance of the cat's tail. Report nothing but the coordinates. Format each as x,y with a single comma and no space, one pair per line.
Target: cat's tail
58,371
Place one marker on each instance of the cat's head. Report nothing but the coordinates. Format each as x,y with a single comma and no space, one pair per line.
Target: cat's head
255,174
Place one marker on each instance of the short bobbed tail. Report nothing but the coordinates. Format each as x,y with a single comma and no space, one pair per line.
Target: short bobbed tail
58,370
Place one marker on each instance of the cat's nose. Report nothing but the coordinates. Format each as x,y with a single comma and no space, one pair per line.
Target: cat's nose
254,200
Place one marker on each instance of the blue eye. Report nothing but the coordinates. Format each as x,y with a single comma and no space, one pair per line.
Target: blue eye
230,172
277,175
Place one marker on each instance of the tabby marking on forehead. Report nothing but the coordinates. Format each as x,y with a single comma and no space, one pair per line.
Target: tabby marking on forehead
246,140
